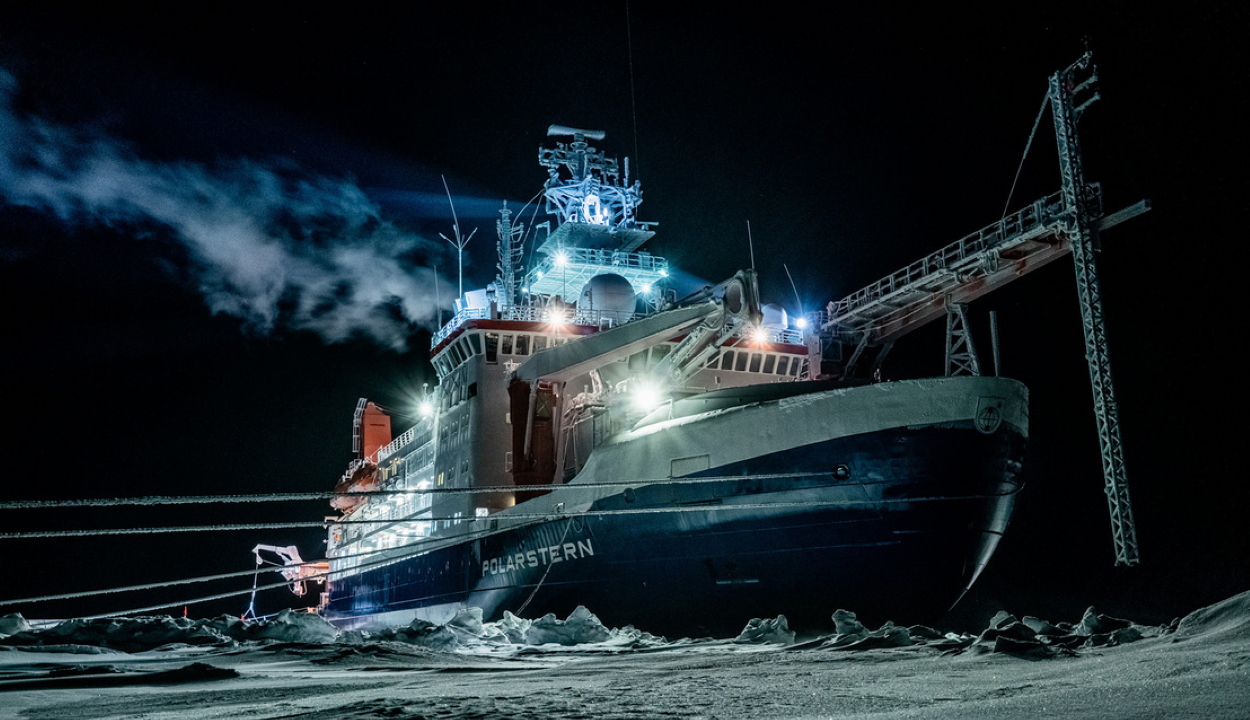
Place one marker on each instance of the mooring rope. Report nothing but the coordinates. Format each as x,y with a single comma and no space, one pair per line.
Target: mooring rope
307,496
543,579
257,571
425,545
172,583
506,516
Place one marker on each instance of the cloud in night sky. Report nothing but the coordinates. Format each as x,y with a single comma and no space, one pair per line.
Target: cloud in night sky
275,246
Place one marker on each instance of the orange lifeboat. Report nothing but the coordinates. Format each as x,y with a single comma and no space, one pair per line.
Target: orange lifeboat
371,432
362,476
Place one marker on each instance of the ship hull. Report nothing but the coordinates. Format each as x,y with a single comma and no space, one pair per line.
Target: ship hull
893,523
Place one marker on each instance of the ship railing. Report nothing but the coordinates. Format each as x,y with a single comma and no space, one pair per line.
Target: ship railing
792,336
526,313
1032,221
456,321
404,438
569,269
789,336
424,427
608,258
602,319
397,443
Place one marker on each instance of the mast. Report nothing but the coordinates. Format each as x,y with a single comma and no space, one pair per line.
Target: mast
1082,227
510,239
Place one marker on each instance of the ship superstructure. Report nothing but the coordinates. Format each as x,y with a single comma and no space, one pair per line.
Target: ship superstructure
489,423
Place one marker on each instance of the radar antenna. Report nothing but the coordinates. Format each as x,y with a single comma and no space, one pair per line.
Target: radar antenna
591,194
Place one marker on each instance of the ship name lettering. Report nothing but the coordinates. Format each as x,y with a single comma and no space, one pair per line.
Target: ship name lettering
540,556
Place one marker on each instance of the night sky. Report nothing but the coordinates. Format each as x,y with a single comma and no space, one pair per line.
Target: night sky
198,204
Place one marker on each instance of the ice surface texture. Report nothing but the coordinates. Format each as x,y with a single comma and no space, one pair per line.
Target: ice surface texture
1014,668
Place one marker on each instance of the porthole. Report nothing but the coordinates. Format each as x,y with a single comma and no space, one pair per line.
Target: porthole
841,472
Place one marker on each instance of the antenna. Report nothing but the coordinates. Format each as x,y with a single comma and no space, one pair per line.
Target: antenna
438,301
633,95
798,302
459,242
751,244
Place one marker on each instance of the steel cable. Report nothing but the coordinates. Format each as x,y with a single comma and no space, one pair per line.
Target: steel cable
424,546
326,495
553,515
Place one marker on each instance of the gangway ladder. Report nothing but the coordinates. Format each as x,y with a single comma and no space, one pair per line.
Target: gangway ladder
1082,227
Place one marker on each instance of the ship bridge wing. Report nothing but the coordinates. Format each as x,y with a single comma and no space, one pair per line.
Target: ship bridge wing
564,362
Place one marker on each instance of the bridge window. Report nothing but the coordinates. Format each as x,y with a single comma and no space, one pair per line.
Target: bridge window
522,344
755,362
506,349
770,361
492,347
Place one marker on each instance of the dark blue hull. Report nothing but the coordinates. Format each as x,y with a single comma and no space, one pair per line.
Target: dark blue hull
893,524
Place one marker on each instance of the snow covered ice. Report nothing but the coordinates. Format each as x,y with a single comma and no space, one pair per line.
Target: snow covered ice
296,665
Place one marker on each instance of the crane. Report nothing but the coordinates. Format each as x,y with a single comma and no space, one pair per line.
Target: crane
1069,221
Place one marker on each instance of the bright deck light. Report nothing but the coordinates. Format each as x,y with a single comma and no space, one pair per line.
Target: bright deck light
801,323
426,408
646,395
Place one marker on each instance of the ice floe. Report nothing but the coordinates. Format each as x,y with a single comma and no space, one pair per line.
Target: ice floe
466,632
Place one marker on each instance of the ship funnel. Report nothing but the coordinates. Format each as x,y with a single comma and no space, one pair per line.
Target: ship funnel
566,130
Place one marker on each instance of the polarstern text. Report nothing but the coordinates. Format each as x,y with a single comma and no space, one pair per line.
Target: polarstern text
540,556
